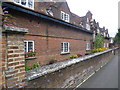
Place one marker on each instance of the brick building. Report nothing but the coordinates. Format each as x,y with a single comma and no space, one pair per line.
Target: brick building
52,23
50,29
52,32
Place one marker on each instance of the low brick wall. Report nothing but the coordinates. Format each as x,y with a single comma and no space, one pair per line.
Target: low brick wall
68,74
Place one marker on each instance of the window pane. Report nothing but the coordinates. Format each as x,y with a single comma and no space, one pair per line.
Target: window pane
66,47
25,46
17,1
23,2
62,47
30,3
30,46
66,17
62,15
87,46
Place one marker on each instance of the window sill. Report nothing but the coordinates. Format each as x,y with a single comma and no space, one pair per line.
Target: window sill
64,53
88,49
30,58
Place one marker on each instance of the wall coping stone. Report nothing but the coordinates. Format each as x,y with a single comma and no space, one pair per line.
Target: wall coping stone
33,74
14,29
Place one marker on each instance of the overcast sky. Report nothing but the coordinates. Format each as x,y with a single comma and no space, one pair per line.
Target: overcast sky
104,11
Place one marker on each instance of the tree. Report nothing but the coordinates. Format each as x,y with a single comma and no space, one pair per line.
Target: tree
98,43
117,37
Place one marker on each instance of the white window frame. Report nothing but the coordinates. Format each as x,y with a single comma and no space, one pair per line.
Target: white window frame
104,34
62,15
93,35
107,45
27,45
63,47
65,16
88,20
87,46
98,31
87,26
104,45
19,3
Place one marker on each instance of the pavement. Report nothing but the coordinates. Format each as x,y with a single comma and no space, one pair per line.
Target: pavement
106,77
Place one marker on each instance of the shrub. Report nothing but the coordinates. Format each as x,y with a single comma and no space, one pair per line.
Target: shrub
79,55
99,50
30,54
87,53
35,66
73,56
8,19
52,61
98,42
27,68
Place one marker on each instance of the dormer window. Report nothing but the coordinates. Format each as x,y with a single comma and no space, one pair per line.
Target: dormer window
87,26
87,20
25,3
93,34
49,12
81,23
104,34
65,16
98,31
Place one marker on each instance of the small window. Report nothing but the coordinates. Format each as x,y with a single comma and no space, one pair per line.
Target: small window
98,31
94,35
87,26
28,45
65,16
62,15
107,45
87,46
65,47
17,1
104,34
88,20
25,3
49,12
104,45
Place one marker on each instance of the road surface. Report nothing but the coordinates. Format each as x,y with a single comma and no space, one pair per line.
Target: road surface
107,77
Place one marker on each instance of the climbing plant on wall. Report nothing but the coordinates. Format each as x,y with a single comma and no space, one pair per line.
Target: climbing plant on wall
7,19
98,43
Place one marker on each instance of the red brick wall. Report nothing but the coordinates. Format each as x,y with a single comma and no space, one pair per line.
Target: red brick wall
2,53
13,56
48,37
1,58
